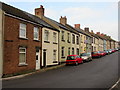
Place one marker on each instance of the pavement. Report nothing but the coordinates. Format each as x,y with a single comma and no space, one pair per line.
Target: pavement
99,73
38,71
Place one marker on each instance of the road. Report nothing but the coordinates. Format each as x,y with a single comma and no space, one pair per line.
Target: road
99,73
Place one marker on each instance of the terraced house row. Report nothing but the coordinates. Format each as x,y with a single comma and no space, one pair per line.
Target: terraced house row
31,42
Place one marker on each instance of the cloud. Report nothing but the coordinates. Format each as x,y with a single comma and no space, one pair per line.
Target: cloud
96,20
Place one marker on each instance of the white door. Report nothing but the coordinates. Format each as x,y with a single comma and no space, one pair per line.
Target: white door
37,59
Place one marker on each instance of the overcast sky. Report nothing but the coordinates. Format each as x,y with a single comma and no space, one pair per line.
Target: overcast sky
98,16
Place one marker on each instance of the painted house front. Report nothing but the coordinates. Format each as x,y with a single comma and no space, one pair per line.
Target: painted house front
82,38
100,42
63,44
95,39
49,47
88,40
74,37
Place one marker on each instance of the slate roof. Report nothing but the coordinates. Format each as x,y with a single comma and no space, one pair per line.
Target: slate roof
58,24
83,32
24,15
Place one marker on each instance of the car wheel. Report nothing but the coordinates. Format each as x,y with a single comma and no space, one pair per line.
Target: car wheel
76,63
82,62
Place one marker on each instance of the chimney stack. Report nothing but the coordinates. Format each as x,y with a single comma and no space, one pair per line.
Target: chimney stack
63,20
92,31
98,33
86,29
102,34
77,26
39,11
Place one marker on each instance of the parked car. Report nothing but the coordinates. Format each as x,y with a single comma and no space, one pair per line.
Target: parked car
113,50
86,56
74,59
107,52
96,54
102,53
110,51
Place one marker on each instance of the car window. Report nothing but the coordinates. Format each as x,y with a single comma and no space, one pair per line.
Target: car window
70,57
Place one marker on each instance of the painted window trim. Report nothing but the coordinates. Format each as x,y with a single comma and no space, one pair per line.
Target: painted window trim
37,32
22,63
23,28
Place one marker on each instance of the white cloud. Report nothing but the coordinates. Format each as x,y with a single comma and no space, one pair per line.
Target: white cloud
87,17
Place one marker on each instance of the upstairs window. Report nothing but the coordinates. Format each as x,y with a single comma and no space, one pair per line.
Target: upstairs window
36,33
54,37
68,38
22,32
63,36
46,35
73,38
77,39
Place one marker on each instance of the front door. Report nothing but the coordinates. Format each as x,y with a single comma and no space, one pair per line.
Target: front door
44,57
37,59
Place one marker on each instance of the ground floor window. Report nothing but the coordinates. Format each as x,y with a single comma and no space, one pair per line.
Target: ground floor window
77,51
62,51
72,51
54,55
22,55
69,51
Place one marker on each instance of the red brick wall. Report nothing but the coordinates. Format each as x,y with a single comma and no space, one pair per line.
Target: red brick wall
12,43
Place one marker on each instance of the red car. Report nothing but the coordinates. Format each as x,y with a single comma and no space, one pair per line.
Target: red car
102,53
96,54
74,59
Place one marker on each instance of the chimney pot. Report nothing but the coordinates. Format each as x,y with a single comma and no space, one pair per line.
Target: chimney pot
98,33
86,29
77,26
63,20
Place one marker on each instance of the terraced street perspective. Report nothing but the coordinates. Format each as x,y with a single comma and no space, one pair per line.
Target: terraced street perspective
98,73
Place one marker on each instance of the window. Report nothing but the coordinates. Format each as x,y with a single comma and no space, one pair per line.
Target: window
36,33
46,35
62,35
77,51
22,55
68,38
81,39
54,55
54,37
22,32
62,51
72,51
73,38
77,39
69,51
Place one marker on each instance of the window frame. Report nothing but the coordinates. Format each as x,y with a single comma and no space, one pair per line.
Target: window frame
46,35
37,34
54,55
22,28
22,63
54,37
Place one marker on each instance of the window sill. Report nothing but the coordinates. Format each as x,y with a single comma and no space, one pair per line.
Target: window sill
68,41
63,40
62,57
55,43
46,42
55,61
36,40
23,38
22,64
